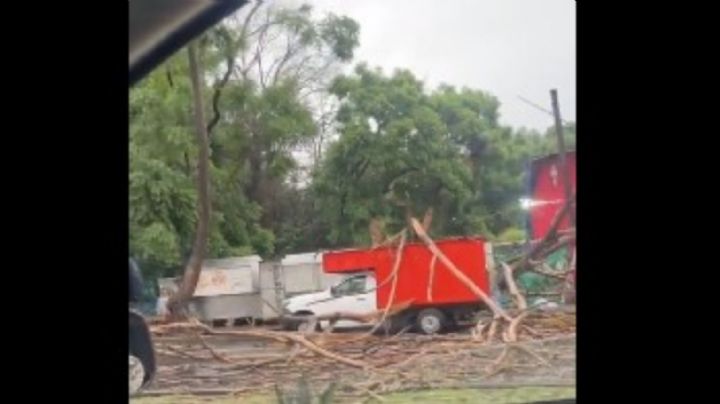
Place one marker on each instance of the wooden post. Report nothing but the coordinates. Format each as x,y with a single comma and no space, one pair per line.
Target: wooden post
564,171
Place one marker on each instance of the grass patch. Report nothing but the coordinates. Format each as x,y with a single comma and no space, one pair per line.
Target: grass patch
470,396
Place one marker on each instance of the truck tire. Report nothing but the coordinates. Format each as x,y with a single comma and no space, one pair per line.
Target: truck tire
431,321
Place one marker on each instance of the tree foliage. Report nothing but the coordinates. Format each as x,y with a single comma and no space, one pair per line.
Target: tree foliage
382,146
403,149
259,68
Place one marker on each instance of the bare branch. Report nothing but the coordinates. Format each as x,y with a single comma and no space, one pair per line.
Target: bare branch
289,53
230,61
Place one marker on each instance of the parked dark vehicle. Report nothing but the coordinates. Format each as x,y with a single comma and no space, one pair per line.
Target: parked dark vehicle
141,365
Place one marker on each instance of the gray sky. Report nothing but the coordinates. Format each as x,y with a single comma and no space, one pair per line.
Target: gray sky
510,48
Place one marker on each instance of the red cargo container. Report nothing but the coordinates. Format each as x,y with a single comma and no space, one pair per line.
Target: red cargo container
449,296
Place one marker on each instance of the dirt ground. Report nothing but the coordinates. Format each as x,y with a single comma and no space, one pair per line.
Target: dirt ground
248,369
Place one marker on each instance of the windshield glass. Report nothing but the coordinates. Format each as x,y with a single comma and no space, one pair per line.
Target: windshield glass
351,286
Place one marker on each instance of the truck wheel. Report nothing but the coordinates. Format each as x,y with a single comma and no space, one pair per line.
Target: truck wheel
431,321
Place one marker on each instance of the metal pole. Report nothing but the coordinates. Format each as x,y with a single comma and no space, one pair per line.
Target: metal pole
564,171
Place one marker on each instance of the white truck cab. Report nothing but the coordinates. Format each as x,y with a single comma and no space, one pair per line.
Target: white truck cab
354,294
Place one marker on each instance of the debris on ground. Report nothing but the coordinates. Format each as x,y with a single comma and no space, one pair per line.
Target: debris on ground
195,359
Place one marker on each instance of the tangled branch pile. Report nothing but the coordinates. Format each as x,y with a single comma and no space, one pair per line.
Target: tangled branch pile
196,359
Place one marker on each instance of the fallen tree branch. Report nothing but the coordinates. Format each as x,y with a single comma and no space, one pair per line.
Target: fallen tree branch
393,288
212,351
395,309
390,241
499,364
343,315
549,237
283,337
547,271
532,353
324,352
510,334
172,351
512,287
493,329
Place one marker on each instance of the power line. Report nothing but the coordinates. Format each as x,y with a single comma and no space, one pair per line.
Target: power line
540,108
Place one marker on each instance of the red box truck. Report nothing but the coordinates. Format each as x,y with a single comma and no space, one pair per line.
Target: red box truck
437,298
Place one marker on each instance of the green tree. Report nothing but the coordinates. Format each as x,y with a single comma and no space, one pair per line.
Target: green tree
282,71
403,149
262,68
395,157
303,158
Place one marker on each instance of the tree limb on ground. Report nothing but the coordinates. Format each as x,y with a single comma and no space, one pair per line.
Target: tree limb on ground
277,336
359,317
511,331
543,269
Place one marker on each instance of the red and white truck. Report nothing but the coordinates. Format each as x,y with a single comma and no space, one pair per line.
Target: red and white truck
437,299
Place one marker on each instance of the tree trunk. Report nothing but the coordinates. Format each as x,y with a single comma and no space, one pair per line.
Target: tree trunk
191,275
253,188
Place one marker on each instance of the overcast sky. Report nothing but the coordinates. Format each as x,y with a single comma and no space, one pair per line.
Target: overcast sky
510,48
